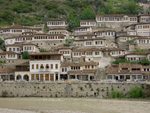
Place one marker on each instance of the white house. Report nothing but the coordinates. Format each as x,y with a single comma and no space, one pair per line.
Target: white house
45,66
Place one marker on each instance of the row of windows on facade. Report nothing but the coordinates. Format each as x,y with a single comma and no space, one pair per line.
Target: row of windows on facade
115,19
82,29
58,32
14,49
96,43
49,37
9,30
105,34
47,44
143,26
23,39
56,23
65,52
42,66
137,69
87,53
88,23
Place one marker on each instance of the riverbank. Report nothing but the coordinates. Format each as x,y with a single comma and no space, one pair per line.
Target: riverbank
73,105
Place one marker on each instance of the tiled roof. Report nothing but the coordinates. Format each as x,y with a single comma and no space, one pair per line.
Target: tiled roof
115,15
8,52
138,53
87,49
45,53
66,64
83,71
24,64
7,70
56,19
16,27
87,20
97,38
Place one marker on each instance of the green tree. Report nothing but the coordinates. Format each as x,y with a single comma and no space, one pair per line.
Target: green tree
136,92
87,13
1,41
145,61
72,21
25,55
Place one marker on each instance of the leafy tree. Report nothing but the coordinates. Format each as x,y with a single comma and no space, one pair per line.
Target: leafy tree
136,92
25,55
144,61
87,13
72,21
1,41
51,6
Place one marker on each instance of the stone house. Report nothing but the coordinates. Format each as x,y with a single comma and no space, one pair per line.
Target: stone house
54,23
144,18
127,71
84,71
88,23
115,20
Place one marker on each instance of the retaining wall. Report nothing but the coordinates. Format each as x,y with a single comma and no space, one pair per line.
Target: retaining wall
55,89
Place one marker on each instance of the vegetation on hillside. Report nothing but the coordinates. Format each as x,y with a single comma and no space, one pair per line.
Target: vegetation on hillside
143,61
30,12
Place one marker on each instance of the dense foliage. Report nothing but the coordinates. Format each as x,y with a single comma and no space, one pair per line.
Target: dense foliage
30,12
1,41
25,55
143,61
116,94
43,50
136,92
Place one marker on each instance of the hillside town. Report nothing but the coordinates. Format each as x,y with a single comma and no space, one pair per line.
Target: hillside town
111,47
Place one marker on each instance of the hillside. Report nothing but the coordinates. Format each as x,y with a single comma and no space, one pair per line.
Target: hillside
30,12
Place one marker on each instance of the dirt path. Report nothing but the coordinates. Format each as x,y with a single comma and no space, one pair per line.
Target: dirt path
72,105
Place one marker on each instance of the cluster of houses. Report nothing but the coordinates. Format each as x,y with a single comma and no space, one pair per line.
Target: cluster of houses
92,48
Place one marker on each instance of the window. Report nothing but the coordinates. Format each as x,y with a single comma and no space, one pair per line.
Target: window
96,53
47,66
88,43
56,66
37,66
51,66
42,66
32,66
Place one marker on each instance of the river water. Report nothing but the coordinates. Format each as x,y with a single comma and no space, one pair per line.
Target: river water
72,105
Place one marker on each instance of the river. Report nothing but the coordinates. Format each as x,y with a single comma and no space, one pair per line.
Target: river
72,105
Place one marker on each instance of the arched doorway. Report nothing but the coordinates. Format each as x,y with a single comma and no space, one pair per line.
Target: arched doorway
26,77
19,77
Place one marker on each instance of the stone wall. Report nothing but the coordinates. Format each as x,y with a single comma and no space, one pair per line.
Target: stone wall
63,89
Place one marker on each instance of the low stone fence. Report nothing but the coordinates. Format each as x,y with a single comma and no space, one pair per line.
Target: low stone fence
64,89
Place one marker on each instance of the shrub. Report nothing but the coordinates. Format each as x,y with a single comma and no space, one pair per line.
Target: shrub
25,55
116,94
136,92
43,50
1,41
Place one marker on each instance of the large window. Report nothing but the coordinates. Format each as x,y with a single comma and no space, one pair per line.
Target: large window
32,66
56,66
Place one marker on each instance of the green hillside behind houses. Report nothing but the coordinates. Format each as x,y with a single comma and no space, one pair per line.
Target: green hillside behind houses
31,12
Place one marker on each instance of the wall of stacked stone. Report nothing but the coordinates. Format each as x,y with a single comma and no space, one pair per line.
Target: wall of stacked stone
56,89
